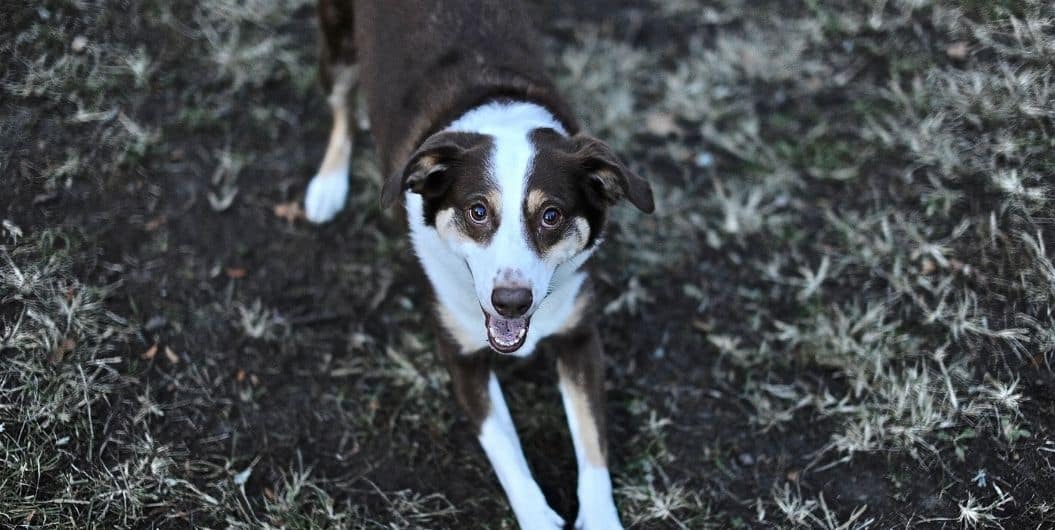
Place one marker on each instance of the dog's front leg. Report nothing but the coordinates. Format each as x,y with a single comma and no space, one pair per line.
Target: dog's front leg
580,366
328,189
477,390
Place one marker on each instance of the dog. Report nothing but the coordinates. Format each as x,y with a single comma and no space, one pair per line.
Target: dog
505,199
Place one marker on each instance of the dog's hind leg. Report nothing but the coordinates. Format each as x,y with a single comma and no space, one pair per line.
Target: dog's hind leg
328,189
580,367
477,390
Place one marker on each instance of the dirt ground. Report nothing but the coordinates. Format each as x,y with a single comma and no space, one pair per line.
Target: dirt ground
841,315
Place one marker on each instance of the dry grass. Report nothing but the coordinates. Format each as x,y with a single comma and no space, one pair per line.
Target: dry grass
851,252
902,214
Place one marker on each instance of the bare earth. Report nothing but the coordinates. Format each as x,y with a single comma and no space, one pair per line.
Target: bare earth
842,314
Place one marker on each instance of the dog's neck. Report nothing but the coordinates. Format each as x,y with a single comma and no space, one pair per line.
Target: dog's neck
510,125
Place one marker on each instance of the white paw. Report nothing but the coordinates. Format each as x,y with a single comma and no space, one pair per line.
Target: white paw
596,506
532,511
325,196
544,517
598,518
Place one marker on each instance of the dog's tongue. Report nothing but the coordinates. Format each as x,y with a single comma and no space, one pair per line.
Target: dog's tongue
506,331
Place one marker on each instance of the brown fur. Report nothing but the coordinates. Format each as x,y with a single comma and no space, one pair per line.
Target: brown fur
469,376
580,365
336,43
423,63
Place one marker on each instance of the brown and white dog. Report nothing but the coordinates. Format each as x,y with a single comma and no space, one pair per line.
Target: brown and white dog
505,199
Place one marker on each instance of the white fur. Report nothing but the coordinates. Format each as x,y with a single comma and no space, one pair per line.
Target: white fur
509,125
329,187
464,272
326,195
596,506
498,436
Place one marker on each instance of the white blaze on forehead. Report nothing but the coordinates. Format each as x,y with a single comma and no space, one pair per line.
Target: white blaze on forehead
508,250
462,271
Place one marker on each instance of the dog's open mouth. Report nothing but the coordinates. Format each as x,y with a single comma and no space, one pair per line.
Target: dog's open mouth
506,335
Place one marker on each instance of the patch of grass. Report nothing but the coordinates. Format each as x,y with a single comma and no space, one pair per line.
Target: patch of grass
802,512
61,369
915,277
848,279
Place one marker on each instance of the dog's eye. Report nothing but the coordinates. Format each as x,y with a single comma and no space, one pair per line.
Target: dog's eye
551,217
477,213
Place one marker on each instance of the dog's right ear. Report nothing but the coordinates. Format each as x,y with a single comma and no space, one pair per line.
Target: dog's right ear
427,170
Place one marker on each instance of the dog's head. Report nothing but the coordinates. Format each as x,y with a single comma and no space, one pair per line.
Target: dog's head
523,211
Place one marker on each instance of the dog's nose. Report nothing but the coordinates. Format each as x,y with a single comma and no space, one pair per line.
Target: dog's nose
511,302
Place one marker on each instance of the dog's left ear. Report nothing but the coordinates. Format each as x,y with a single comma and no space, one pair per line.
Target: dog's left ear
610,179
426,171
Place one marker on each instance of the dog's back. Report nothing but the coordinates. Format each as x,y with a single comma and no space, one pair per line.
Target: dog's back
423,63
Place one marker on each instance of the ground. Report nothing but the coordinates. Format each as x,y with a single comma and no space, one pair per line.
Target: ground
840,316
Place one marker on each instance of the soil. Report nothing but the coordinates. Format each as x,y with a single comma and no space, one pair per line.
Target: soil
180,266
